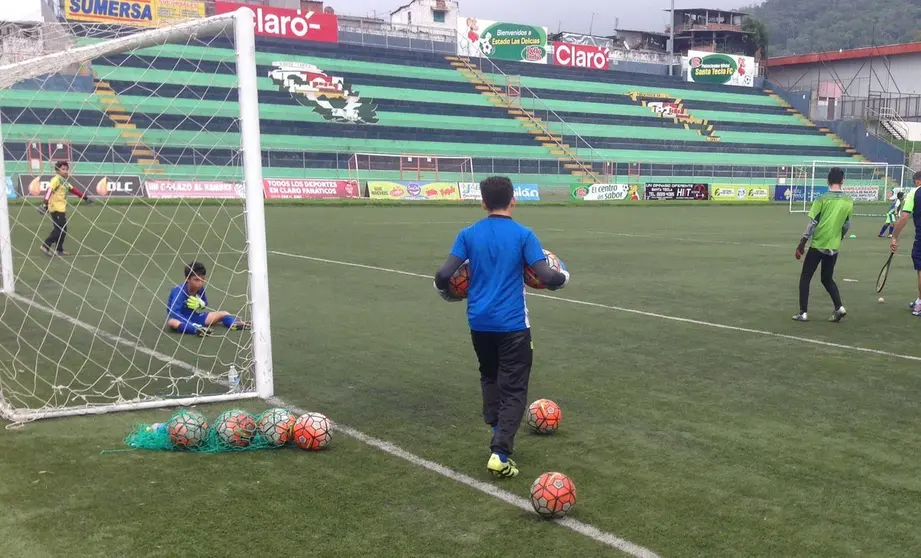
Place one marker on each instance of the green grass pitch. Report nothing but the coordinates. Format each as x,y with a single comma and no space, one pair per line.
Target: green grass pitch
699,419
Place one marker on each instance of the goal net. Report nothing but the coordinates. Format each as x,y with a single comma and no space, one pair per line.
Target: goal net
161,130
867,183
411,176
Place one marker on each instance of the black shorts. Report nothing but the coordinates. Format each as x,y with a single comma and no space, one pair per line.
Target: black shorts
916,255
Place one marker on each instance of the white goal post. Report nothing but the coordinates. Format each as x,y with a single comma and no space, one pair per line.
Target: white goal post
410,167
865,181
84,333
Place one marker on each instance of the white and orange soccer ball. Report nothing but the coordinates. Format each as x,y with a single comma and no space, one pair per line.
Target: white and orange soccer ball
235,428
544,416
553,495
187,429
532,280
275,426
312,431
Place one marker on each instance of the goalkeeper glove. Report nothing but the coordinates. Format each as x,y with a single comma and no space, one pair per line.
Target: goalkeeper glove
446,294
195,303
800,248
43,209
565,282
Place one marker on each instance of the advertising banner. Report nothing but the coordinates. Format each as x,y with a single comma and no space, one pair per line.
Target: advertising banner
673,191
176,189
502,41
862,193
169,12
783,192
306,189
523,192
94,185
137,13
10,189
282,23
581,56
604,192
740,193
721,69
413,190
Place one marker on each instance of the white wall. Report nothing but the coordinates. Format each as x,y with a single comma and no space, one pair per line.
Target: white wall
21,11
421,12
857,78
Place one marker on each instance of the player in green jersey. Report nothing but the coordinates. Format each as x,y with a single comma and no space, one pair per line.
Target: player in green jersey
829,221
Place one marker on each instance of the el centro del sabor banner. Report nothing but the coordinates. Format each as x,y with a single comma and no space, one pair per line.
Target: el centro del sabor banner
283,23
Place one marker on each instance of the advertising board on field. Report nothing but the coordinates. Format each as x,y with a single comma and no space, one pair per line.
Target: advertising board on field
581,56
282,23
739,193
486,38
306,189
784,192
603,192
197,189
676,191
470,191
379,190
136,13
95,185
861,193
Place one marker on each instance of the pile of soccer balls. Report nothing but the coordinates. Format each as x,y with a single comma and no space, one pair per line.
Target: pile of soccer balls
552,494
234,430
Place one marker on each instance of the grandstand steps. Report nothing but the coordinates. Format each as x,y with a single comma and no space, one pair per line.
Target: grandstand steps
148,162
499,97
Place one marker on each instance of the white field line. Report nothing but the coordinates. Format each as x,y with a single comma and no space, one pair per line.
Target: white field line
669,238
583,529
636,312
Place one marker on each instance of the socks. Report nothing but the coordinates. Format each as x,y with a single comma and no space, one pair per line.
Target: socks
891,228
495,428
228,321
502,457
187,327
882,231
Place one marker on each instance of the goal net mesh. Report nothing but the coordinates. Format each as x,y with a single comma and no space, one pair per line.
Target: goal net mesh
404,176
152,135
867,183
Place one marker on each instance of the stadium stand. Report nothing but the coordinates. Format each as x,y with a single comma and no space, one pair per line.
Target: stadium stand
154,113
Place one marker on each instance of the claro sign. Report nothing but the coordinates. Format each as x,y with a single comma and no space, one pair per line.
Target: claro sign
581,56
289,24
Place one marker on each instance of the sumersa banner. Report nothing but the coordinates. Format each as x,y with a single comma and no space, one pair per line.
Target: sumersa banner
94,185
282,23
673,191
486,38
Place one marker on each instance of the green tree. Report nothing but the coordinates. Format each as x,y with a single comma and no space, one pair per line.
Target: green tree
758,35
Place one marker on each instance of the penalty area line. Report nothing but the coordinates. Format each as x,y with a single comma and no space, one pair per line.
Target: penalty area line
583,529
634,311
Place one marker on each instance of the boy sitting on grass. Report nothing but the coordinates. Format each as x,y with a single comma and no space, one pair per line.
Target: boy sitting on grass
187,308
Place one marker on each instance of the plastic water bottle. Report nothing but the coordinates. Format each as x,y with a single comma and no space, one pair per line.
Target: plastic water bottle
233,376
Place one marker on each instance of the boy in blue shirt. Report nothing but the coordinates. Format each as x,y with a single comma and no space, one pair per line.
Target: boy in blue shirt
187,307
497,249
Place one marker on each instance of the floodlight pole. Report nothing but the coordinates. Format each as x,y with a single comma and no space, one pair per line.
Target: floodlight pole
671,42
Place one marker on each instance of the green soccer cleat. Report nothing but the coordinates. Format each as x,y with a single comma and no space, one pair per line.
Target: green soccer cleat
240,326
498,468
203,331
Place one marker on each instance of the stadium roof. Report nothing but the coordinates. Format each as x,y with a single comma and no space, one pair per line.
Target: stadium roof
703,10
850,54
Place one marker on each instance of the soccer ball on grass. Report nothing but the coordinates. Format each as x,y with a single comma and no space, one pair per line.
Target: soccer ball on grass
553,495
235,428
187,429
275,425
544,416
312,431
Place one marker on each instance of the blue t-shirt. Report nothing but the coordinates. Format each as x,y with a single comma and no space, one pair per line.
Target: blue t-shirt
175,306
498,249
